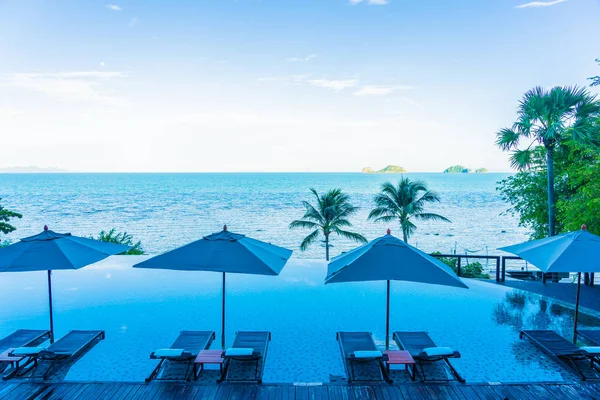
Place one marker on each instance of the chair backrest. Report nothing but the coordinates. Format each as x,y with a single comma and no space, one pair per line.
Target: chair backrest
73,342
23,338
257,340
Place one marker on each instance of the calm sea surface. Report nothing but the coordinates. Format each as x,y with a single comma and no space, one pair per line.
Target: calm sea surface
168,210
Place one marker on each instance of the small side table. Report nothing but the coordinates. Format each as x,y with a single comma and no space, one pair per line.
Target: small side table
14,361
208,357
401,357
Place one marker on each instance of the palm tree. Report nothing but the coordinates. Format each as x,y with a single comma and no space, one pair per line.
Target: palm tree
405,202
550,118
328,216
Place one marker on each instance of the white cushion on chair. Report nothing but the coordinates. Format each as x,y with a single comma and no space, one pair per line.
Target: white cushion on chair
438,351
368,354
591,349
238,352
27,351
168,352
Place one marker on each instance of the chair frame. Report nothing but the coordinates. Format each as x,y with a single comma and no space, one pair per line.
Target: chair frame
186,357
350,360
423,358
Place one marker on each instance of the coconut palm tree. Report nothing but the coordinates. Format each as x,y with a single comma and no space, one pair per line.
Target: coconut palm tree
405,202
550,118
327,216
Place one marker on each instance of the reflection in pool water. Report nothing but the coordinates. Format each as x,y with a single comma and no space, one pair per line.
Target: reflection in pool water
142,310
525,310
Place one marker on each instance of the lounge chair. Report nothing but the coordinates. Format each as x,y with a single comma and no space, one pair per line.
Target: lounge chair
19,338
424,350
591,335
70,346
184,350
358,348
249,349
563,350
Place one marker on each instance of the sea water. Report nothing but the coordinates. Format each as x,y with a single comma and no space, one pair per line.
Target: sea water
168,210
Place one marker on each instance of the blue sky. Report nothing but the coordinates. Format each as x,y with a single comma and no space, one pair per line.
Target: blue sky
249,85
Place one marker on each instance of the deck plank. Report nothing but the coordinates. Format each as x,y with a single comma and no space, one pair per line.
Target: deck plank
188,391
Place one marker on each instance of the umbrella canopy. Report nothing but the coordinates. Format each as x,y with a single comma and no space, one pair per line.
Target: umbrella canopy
49,251
224,252
390,259
577,251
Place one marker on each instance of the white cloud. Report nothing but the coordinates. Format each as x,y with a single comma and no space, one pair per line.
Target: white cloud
102,64
133,22
334,84
374,2
541,4
374,90
71,86
114,7
301,59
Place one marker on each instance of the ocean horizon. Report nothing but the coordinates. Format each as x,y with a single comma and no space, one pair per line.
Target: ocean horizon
167,210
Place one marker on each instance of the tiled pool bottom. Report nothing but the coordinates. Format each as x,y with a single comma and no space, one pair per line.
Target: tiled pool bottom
142,310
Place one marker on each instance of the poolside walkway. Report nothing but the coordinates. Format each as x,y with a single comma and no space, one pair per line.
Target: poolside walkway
183,391
590,295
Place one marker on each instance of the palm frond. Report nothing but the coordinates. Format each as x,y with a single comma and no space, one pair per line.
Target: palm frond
431,217
310,239
302,224
350,235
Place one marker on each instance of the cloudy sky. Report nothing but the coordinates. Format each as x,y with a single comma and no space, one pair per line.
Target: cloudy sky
272,85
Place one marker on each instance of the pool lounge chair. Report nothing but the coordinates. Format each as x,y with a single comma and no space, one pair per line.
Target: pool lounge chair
424,350
184,350
19,338
249,350
359,349
563,350
65,349
591,335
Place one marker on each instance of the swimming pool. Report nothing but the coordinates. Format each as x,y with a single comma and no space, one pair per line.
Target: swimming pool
142,310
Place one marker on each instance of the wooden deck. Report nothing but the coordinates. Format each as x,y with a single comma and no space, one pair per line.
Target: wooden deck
182,391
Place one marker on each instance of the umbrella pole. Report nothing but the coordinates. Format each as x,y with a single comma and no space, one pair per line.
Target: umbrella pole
387,319
50,303
223,316
576,308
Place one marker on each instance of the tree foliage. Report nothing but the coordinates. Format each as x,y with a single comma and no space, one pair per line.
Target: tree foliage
5,217
595,79
577,190
329,215
549,118
124,238
405,202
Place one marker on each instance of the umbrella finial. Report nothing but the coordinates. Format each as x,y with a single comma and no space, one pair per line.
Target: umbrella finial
583,227
389,232
224,227
45,227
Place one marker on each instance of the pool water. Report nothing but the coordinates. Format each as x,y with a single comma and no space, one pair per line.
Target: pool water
143,310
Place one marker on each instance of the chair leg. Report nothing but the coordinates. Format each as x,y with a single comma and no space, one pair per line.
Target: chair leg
454,371
50,370
155,370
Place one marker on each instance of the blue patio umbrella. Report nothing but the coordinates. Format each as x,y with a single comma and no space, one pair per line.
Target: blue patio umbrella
390,259
50,251
224,252
577,251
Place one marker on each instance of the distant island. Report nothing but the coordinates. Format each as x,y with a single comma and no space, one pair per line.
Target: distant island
31,170
390,169
460,169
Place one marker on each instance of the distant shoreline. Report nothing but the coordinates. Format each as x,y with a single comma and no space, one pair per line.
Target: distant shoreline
238,172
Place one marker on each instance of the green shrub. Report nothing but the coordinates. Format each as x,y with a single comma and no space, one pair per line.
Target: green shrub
470,270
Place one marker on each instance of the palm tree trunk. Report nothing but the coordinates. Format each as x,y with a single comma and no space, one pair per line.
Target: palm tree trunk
550,167
327,247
